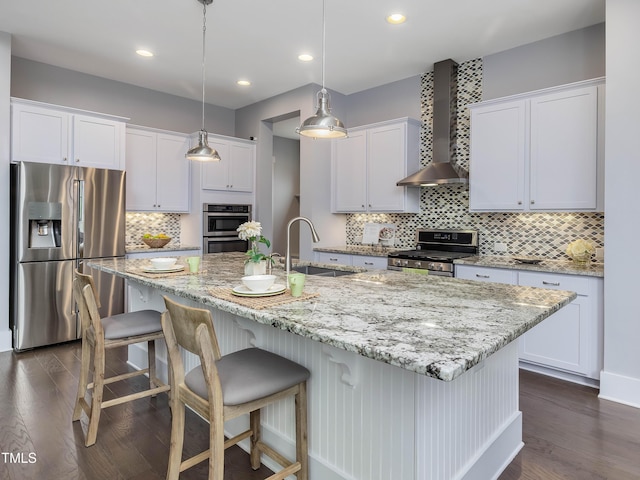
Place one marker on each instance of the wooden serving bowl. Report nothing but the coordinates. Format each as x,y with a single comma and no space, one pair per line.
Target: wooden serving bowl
156,242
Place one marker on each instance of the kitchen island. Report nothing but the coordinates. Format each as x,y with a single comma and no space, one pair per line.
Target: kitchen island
412,377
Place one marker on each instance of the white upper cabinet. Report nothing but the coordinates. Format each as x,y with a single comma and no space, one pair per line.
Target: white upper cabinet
236,169
50,134
366,166
542,151
158,174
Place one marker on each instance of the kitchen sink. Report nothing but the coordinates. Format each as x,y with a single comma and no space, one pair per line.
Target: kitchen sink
320,271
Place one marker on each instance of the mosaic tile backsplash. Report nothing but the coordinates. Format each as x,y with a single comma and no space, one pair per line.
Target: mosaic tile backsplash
447,206
137,224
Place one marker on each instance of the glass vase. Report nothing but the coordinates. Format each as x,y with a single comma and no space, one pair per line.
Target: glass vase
253,268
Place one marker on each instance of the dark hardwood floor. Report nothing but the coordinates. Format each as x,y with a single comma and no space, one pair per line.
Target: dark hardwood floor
569,433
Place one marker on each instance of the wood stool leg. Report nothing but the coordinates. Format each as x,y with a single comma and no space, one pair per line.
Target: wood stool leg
177,438
302,452
151,356
83,380
254,425
96,396
216,445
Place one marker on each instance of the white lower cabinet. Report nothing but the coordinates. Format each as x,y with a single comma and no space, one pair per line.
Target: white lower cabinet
571,339
369,262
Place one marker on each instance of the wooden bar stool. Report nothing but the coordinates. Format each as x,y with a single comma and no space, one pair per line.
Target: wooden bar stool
101,334
222,388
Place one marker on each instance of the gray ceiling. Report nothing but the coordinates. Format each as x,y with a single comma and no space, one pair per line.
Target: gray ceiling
260,40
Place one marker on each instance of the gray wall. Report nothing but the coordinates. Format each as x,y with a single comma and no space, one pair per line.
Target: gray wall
620,380
5,141
393,100
59,86
567,58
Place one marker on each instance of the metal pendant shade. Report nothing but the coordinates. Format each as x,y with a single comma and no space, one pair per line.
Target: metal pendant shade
203,152
323,124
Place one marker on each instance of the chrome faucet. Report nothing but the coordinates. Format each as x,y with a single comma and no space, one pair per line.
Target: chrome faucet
314,234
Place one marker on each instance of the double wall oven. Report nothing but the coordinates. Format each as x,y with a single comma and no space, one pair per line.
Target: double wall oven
220,223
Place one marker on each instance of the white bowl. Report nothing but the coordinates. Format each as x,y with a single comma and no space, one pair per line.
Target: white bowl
258,283
163,262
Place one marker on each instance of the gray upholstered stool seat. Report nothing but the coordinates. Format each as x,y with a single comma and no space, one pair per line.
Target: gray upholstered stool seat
131,324
248,375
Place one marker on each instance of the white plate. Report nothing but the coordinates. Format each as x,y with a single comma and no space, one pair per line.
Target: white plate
174,268
244,291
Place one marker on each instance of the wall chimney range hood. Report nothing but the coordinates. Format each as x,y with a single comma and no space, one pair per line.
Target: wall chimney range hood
440,170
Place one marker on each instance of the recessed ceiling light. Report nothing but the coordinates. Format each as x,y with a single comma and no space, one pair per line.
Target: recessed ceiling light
305,57
396,18
244,83
144,53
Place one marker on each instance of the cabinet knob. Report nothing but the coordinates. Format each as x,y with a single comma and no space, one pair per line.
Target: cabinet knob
77,160
519,202
64,159
532,202
362,205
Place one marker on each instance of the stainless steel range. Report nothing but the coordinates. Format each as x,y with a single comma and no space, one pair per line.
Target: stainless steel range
435,251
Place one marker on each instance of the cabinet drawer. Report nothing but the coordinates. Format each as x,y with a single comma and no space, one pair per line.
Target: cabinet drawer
482,274
337,258
555,281
369,262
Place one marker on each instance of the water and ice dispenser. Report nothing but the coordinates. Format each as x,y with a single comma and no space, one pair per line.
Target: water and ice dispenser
45,224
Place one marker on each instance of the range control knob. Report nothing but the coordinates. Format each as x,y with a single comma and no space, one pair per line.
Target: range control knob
417,264
431,266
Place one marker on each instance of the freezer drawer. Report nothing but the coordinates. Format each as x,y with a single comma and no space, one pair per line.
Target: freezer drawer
110,290
44,310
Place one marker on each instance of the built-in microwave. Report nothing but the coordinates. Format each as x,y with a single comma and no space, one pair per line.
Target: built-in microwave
220,224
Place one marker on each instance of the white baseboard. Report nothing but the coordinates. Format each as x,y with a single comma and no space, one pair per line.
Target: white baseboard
619,388
552,372
492,461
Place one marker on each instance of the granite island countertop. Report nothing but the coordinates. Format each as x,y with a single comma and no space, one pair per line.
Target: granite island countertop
594,269
434,326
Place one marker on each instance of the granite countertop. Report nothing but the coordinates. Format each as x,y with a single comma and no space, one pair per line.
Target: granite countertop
171,247
434,326
595,269
370,250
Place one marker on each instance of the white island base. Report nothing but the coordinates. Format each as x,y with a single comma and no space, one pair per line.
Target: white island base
369,420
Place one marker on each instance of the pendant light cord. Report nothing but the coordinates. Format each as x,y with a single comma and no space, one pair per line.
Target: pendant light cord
323,40
204,32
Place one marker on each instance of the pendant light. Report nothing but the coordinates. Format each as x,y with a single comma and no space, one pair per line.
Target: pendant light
203,152
322,124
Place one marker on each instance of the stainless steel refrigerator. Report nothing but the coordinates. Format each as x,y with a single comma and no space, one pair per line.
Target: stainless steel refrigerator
61,217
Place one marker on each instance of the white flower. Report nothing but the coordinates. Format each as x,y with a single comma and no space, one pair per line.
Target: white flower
579,248
249,230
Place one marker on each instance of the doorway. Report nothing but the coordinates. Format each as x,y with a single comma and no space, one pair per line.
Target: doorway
286,185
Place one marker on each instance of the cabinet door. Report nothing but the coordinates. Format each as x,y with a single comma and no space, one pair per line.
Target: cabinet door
96,142
241,167
562,340
349,172
141,170
386,149
172,173
498,154
39,135
215,175
564,137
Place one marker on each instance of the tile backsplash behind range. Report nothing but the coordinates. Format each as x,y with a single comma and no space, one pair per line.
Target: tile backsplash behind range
137,224
447,206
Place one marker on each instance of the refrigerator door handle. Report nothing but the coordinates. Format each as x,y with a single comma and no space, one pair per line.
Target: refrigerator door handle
80,220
